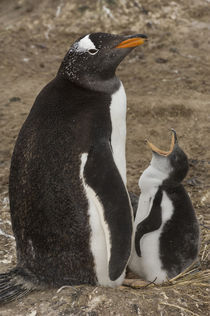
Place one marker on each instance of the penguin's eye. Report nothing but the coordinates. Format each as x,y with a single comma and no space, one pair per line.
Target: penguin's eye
93,51
175,158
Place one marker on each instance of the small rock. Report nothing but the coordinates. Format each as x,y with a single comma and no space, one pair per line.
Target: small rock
15,99
17,7
42,46
174,50
83,8
149,24
196,44
136,309
193,181
161,60
144,10
33,313
92,313
192,162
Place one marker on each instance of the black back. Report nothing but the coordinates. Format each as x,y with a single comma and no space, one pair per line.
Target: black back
48,205
46,197
179,241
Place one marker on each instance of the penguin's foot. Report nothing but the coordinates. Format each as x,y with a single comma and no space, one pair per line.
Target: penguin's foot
136,283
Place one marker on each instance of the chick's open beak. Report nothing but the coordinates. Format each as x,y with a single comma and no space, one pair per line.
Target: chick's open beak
162,152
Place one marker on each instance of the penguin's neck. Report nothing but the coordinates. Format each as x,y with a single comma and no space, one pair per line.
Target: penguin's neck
96,83
93,82
151,179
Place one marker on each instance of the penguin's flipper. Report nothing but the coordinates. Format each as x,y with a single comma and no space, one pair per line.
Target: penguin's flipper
102,175
151,222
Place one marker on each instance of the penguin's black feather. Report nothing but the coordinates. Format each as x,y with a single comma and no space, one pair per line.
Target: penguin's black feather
179,240
151,222
114,198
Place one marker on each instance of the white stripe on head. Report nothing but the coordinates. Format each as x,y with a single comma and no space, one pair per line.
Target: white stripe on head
84,44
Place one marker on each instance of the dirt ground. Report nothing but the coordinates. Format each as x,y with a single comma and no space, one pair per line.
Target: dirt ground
167,82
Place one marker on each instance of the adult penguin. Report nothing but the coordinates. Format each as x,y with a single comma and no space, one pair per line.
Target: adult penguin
70,209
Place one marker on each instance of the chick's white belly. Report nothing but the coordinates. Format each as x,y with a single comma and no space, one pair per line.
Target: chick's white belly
149,265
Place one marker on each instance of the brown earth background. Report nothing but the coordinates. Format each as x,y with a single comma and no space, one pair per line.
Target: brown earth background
167,82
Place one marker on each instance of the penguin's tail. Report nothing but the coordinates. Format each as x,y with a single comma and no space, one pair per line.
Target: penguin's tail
13,285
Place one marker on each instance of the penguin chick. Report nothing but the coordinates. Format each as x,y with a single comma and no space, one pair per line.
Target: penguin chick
166,228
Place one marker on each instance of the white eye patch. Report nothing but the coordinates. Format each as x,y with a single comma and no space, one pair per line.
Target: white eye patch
85,44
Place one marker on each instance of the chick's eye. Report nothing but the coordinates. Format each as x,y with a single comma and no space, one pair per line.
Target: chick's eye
175,158
93,51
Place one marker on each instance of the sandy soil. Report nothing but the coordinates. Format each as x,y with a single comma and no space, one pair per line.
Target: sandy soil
167,82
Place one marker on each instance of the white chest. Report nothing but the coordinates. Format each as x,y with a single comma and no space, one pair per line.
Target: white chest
149,265
149,183
118,136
